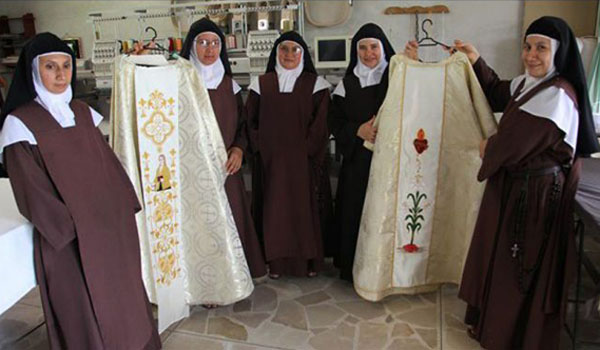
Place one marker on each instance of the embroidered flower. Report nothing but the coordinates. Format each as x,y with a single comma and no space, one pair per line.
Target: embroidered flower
410,248
413,219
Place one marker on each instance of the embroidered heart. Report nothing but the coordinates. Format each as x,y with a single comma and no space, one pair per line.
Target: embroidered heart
420,142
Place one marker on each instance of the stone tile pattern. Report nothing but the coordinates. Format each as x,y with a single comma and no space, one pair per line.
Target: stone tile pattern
321,313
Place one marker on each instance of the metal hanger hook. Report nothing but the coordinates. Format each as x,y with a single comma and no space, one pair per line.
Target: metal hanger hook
423,26
153,30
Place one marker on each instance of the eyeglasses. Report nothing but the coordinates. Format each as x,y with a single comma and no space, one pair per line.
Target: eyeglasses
371,46
206,43
296,50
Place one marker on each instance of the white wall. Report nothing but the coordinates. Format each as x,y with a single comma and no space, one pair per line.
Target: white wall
493,26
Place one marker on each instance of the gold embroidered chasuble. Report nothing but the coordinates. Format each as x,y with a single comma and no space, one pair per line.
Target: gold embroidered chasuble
181,187
423,196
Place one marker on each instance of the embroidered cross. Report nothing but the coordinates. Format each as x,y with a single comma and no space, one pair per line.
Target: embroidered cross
515,249
158,128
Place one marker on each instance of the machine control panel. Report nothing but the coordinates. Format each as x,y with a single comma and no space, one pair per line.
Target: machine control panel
260,42
103,56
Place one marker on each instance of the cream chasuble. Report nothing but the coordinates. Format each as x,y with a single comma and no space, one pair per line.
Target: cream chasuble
165,133
423,196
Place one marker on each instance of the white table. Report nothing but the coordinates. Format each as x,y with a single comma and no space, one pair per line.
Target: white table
17,274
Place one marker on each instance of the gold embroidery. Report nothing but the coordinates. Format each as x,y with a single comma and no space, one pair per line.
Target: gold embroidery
157,128
163,223
160,188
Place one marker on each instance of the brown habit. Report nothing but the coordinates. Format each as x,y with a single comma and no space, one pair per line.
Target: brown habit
230,114
73,189
289,132
516,298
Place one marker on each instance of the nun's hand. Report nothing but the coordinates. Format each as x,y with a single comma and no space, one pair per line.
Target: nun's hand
2,82
412,50
482,146
468,49
234,161
367,131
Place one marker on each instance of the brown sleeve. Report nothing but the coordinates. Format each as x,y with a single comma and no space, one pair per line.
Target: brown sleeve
252,111
317,129
344,130
125,180
496,91
37,198
241,133
518,141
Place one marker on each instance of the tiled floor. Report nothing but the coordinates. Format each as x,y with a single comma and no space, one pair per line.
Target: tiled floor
321,313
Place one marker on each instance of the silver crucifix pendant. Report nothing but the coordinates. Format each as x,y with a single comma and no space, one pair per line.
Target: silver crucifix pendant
515,249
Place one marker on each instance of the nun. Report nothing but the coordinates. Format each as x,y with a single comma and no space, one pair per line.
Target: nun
356,100
522,255
70,185
2,86
203,46
287,123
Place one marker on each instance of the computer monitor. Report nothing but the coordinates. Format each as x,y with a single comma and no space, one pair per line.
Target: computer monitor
332,51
